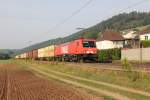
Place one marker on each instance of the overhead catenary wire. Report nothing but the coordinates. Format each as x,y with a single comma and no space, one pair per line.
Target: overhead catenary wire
128,7
85,5
71,16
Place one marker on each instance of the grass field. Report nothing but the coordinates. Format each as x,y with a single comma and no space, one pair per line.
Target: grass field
119,79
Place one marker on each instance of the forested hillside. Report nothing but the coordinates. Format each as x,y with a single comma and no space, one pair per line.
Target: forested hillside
119,22
6,53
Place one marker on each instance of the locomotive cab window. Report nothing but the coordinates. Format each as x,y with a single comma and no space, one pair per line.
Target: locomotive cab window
89,44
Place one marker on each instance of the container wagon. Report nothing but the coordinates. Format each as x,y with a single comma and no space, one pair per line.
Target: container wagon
24,56
35,54
29,55
46,53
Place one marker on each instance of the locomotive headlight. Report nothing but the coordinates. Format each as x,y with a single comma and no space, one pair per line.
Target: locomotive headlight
87,51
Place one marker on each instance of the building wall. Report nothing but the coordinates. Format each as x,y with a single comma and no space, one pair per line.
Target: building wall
142,37
109,44
104,44
136,54
118,44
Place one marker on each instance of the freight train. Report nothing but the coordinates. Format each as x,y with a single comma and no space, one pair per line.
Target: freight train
77,51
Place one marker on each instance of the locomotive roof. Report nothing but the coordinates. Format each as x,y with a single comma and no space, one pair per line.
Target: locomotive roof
81,39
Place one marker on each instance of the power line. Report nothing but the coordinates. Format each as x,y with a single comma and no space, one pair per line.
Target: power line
72,15
85,5
121,10
128,7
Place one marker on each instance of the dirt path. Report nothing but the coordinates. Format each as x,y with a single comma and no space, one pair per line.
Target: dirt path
18,84
114,95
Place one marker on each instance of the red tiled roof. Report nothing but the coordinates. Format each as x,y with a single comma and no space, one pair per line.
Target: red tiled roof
110,35
145,31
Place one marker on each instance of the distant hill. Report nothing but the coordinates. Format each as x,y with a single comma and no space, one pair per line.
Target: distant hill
119,22
7,53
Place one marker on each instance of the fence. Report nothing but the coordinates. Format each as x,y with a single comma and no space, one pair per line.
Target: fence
142,54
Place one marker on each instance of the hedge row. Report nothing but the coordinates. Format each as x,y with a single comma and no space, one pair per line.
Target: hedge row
109,55
145,43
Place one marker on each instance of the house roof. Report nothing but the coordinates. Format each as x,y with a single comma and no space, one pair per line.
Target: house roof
145,31
110,35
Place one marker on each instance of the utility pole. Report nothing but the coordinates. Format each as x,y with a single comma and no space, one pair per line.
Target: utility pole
140,50
30,43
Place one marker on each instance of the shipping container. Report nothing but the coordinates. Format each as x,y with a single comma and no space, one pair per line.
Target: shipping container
40,53
35,54
30,55
23,56
17,57
46,52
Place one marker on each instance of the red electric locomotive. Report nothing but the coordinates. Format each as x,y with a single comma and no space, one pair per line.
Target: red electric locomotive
78,50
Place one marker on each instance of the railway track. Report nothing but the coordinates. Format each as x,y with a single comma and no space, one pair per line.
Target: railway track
110,66
115,66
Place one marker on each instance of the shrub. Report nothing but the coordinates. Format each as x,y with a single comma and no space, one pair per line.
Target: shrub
125,65
109,55
104,56
115,53
145,43
134,76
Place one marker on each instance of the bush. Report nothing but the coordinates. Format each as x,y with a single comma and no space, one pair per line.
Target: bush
115,53
104,56
145,43
125,65
134,76
109,55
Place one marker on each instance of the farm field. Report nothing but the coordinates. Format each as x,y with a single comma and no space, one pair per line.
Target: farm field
68,81
17,83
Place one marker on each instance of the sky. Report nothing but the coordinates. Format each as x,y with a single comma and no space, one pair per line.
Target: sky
26,22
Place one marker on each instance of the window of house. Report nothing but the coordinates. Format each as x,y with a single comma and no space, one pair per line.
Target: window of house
146,37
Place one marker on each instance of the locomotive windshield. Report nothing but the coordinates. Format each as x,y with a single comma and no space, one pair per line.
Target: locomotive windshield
89,44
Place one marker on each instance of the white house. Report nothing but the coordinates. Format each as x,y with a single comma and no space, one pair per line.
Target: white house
131,39
106,44
110,39
129,34
145,34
